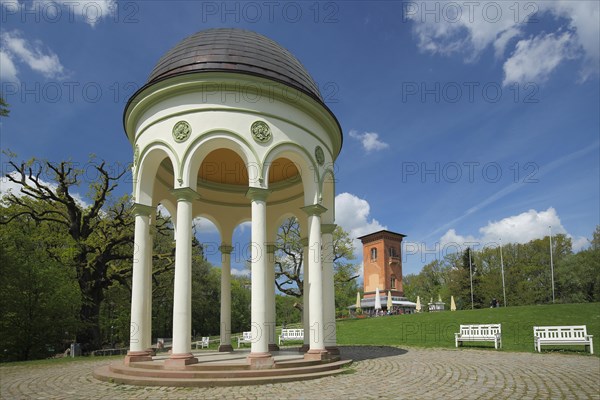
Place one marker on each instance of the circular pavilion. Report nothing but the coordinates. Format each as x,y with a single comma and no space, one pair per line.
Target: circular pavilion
231,127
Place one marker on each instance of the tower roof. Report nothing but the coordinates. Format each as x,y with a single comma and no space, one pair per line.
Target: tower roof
380,234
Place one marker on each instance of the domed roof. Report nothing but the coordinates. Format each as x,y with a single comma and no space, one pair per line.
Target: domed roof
235,50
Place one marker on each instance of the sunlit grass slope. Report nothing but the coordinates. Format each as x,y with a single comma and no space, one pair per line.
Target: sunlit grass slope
437,329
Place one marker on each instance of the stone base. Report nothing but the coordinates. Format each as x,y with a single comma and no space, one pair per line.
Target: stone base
179,361
304,348
261,360
316,354
225,348
333,350
273,347
151,351
136,356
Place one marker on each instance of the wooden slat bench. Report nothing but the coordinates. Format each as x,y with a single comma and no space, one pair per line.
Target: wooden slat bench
562,335
245,338
202,343
291,334
480,333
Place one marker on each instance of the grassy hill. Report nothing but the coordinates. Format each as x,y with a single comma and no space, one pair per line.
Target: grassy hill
437,329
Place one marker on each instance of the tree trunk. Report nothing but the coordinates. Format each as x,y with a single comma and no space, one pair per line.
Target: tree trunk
89,315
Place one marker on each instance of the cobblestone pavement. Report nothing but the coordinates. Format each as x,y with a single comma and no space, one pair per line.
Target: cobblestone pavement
378,372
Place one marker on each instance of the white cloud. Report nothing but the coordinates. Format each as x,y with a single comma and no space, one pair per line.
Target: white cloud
8,71
204,225
240,272
32,53
580,243
352,214
370,141
583,17
7,186
241,228
468,28
89,11
521,228
534,59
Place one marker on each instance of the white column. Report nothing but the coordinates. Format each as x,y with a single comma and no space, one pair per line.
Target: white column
182,302
259,351
315,280
305,296
329,289
148,271
139,286
225,297
271,311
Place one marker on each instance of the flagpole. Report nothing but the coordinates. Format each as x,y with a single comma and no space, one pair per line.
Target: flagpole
551,262
502,266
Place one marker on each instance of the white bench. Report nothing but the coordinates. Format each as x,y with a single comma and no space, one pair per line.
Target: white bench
559,335
245,338
291,334
202,343
480,333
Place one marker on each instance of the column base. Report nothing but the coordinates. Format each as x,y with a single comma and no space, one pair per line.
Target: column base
224,348
261,360
305,347
316,354
273,347
179,361
333,350
136,356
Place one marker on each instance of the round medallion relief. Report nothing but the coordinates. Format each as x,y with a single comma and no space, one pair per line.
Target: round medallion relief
260,131
319,155
181,131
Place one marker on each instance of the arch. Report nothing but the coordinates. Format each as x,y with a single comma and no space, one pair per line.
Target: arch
304,163
214,140
150,159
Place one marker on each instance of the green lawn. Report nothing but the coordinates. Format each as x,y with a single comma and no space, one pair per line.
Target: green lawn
437,329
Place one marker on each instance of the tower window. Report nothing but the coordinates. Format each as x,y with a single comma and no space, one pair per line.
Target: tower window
373,254
393,282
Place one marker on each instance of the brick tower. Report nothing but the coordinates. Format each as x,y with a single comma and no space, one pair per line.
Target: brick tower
382,263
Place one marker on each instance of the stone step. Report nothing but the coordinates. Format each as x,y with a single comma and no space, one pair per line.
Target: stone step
106,374
192,372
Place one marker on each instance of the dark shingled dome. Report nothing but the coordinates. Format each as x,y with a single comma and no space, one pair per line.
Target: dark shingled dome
235,50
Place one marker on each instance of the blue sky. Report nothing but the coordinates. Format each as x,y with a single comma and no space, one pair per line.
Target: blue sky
462,122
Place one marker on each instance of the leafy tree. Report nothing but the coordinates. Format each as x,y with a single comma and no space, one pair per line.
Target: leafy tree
289,260
38,297
4,111
99,234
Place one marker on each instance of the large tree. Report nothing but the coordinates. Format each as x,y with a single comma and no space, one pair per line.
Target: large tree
99,233
289,261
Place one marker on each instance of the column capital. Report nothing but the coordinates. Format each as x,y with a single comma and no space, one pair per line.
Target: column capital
143,210
259,194
271,247
185,194
328,228
314,209
225,249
